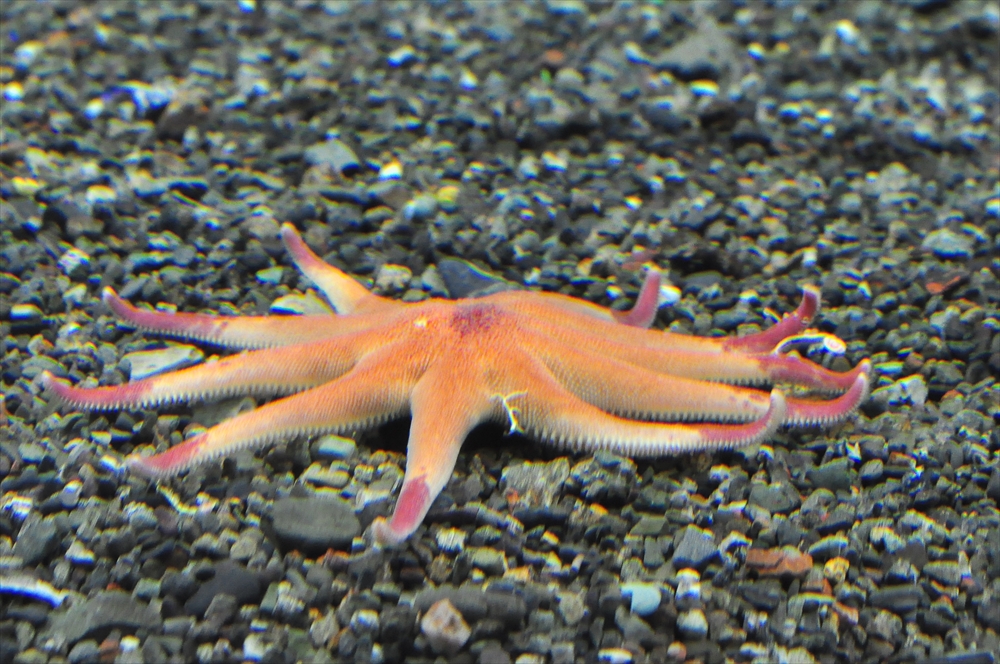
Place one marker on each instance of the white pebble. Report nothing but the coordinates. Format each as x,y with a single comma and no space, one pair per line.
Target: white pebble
445,628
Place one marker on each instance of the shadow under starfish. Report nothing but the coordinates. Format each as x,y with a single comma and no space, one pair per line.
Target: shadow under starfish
550,366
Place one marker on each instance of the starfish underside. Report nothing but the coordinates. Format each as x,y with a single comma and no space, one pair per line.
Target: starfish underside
553,367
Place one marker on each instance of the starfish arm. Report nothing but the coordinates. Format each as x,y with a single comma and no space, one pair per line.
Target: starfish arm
726,367
595,320
794,369
551,412
446,405
807,412
237,332
643,312
789,326
633,391
343,292
374,391
545,313
273,371
575,312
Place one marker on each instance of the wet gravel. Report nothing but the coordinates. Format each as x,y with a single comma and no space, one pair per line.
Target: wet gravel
745,149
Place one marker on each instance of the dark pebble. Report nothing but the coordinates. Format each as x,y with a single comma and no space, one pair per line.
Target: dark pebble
229,578
898,599
313,525
836,475
764,594
934,622
696,548
475,604
37,539
97,616
776,498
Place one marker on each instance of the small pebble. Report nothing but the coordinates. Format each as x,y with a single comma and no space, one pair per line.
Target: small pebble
445,628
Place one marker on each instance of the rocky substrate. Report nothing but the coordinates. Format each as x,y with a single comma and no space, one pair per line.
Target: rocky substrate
451,149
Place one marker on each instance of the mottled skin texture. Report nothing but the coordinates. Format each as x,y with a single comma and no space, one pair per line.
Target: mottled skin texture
550,366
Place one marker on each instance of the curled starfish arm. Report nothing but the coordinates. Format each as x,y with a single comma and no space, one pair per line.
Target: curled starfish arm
369,394
277,371
808,412
789,326
238,332
643,312
602,322
578,313
792,368
345,294
446,405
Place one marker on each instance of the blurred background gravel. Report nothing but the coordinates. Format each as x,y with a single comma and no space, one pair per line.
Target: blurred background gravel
444,149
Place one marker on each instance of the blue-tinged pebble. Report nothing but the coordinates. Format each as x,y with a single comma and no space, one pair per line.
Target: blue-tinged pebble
70,494
403,55
25,312
100,194
334,447
297,303
333,153
828,547
74,258
527,169
147,589
145,363
850,203
555,162
705,88
645,597
790,111
468,80
893,368
992,206
13,91
946,243
614,656
692,624
271,275
26,586
31,452
78,554
847,31
26,53
420,208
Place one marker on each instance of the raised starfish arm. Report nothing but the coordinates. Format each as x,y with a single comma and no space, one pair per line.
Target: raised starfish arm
277,371
372,392
446,405
633,391
643,312
585,317
789,326
579,312
237,332
345,294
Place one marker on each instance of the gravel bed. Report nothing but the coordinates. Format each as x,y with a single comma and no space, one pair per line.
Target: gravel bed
448,149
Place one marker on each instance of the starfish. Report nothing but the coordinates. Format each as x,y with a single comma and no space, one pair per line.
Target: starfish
550,366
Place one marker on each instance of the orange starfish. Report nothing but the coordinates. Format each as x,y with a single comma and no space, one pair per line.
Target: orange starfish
550,366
